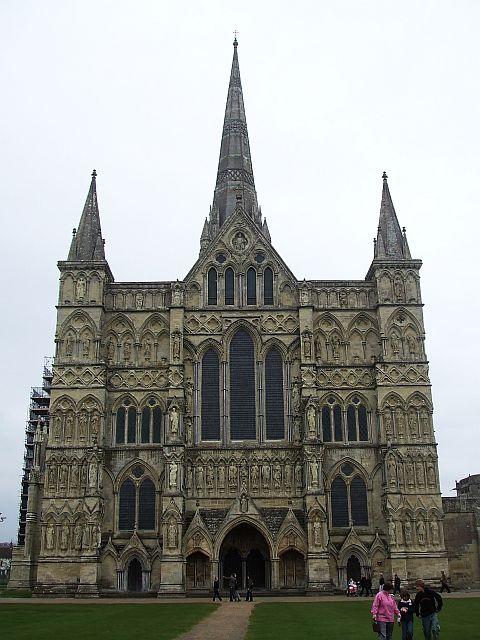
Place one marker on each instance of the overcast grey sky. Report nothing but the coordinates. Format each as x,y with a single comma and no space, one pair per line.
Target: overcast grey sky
335,93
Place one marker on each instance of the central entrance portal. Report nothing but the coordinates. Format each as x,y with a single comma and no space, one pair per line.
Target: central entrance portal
245,552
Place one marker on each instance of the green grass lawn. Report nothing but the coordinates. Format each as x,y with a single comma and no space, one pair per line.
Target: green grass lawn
102,621
351,620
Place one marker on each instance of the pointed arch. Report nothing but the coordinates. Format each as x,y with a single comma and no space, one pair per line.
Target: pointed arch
212,286
210,395
274,396
242,386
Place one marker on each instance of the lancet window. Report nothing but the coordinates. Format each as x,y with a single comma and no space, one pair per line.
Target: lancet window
268,286
229,286
251,286
274,407
212,282
242,387
210,413
349,504
151,425
136,508
357,427
332,424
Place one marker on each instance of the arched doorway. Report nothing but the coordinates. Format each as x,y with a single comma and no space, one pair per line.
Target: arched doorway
198,571
134,576
245,552
353,568
292,570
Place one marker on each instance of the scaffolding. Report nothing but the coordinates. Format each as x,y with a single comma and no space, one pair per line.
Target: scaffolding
37,420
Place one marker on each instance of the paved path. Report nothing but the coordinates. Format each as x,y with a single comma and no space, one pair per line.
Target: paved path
230,620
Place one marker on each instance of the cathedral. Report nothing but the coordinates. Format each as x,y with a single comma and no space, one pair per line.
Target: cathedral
236,420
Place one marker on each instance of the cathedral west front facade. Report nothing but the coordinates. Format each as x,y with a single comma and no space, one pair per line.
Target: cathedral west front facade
237,419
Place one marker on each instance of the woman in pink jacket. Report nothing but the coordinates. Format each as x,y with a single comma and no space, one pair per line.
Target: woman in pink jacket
384,609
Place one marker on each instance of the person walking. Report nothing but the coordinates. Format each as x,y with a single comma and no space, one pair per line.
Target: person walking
396,584
249,597
407,609
444,583
384,609
381,581
232,585
368,584
427,604
216,589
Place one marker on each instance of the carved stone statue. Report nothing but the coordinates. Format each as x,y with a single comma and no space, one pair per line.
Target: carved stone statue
69,427
189,431
266,473
420,474
312,421
431,475
412,424
244,503
307,345
221,477
298,475
111,350
50,537
139,300
400,422
398,288
387,421
254,474
407,530
412,346
392,471
244,474
64,534
81,287
296,396
127,350
74,476
172,475
314,473
232,475
177,297
82,425
93,474
200,477
172,534
69,345
288,475
304,296
77,537
277,475
189,478
435,532
174,422
176,346
210,478
57,427
421,533
335,341
188,386
395,344
424,417
86,347
147,350
392,532
296,429
410,477
317,532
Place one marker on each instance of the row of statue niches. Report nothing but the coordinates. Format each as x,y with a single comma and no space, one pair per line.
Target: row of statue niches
410,473
413,424
83,428
258,477
414,533
73,476
398,288
70,538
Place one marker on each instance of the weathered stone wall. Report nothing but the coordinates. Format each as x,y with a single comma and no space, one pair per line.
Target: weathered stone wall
461,529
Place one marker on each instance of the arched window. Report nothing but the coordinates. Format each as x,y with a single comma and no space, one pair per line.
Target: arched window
127,505
229,286
357,428
274,414
268,286
349,499
358,502
146,505
210,396
251,286
212,286
242,387
151,423
332,423
339,503
126,423
136,506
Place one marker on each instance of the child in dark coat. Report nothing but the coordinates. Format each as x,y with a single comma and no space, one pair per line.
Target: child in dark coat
407,609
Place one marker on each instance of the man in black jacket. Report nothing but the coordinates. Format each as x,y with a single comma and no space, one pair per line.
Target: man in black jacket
427,604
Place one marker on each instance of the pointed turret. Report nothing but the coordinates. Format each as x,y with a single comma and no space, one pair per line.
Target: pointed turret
87,241
235,173
391,242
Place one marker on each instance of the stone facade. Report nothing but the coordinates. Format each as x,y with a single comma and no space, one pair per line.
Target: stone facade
462,533
235,420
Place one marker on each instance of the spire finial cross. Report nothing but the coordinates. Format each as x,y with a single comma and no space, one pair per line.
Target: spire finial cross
94,173
384,176
235,42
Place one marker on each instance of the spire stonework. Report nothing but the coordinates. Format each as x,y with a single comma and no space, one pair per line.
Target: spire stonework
85,243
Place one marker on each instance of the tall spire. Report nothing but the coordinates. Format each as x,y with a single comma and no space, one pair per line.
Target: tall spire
87,241
235,173
391,242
